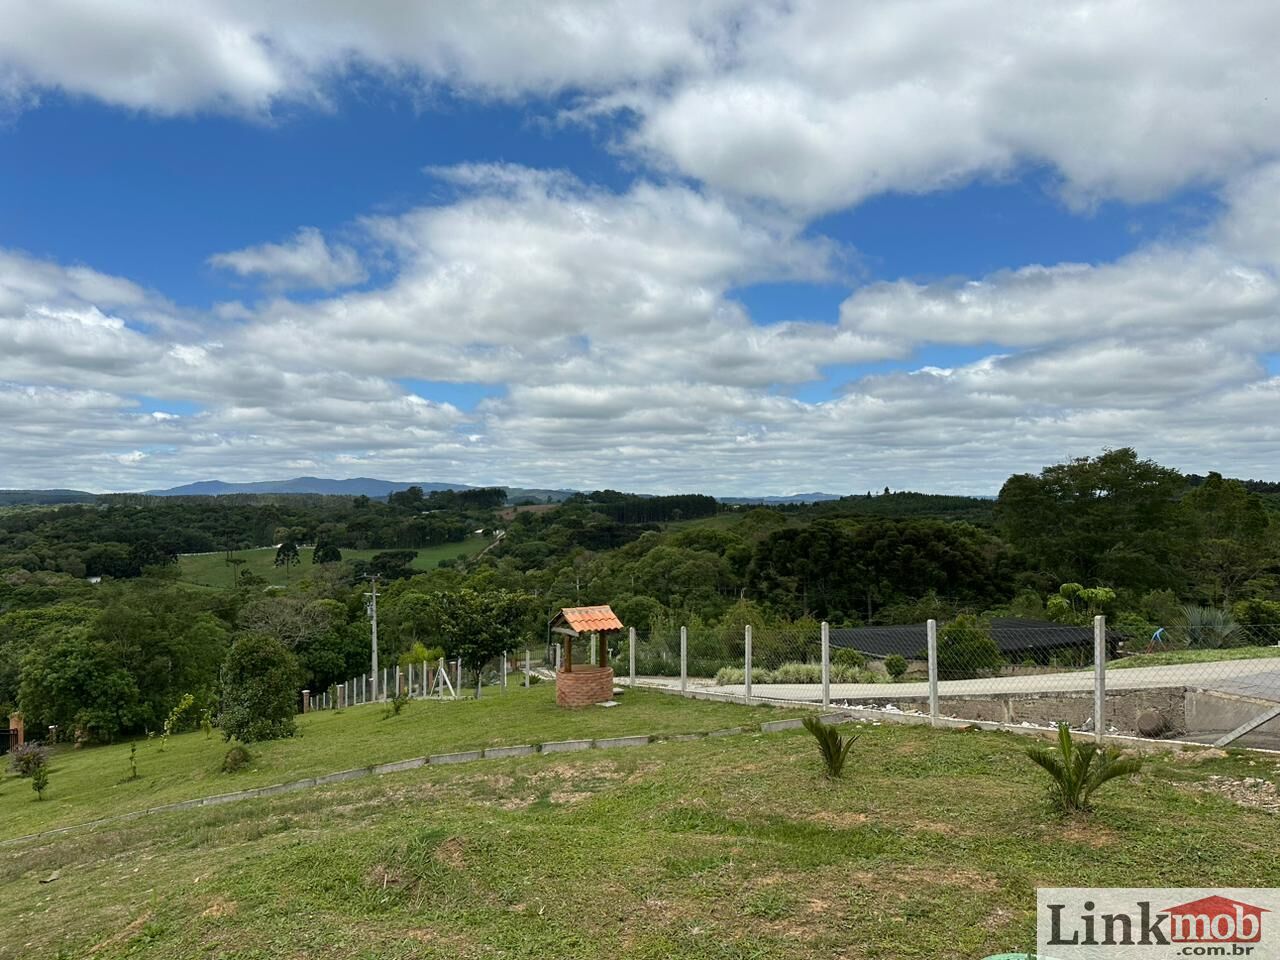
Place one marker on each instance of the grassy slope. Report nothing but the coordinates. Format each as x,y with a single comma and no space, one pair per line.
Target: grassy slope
87,784
1192,656
210,569
726,848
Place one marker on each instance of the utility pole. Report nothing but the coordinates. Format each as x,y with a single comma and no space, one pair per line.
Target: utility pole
373,609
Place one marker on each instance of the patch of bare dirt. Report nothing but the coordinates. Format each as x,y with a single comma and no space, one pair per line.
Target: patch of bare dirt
450,853
221,908
569,797
1252,792
382,877
1090,834
1199,756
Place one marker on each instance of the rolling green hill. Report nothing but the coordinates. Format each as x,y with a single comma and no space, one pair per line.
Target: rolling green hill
211,570
932,846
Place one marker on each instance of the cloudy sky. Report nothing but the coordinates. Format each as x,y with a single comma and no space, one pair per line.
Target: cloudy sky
730,247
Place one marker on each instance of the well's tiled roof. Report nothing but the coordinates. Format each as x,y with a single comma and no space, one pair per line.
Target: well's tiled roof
590,619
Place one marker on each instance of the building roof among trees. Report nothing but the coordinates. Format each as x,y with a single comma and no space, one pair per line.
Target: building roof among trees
1012,635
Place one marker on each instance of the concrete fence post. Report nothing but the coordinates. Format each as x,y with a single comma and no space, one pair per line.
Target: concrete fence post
684,659
826,664
457,678
411,681
528,664
631,653
1100,678
931,636
746,660
504,671
306,701
397,681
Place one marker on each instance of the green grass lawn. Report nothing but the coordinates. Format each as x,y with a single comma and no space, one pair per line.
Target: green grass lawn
1171,657
91,783
210,569
728,848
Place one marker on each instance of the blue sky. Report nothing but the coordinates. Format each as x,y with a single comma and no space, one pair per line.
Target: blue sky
692,258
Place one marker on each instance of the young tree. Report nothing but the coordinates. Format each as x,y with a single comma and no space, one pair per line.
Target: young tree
260,683
480,626
287,556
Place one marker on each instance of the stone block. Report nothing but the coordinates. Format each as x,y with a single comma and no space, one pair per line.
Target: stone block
566,746
465,757
609,743
495,753
775,726
399,766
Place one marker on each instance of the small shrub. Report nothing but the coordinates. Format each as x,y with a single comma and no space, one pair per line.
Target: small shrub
847,657
40,780
206,723
28,758
727,676
966,650
896,665
237,758
1078,771
395,705
834,747
798,673
133,761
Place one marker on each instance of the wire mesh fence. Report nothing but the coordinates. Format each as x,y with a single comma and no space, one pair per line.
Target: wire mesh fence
1211,683
443,678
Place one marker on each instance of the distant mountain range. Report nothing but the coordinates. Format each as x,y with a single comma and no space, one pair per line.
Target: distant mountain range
352,487
793,498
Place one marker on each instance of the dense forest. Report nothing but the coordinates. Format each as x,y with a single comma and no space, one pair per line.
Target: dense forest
111,658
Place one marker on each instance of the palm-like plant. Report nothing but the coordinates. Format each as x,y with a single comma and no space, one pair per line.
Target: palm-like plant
835,748
1078,771
1206,628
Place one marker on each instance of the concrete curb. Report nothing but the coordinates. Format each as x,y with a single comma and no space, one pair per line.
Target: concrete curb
465,757
776,726
566,746
610,743
497,753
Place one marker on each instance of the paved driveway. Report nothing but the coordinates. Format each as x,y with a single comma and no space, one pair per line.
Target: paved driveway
1254,678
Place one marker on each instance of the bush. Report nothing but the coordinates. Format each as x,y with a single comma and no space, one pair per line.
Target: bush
396,705
237,758
1078,771
735,675
835,748
28,758
40,781
896,665
966,650
798,673
260,683
848,658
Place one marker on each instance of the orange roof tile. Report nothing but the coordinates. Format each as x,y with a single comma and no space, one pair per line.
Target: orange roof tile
590,619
